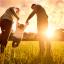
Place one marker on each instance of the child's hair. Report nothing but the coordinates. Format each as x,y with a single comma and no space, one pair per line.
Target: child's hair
21,26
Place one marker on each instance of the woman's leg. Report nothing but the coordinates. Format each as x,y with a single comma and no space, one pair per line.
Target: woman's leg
6,28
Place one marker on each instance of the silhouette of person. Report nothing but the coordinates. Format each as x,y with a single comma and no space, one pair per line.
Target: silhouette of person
6,24
42,22
42,18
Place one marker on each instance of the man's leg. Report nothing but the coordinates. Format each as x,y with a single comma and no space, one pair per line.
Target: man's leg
41,44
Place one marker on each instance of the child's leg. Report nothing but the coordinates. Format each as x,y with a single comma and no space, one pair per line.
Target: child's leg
16,42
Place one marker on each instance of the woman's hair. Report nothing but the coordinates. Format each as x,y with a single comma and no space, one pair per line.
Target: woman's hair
17,10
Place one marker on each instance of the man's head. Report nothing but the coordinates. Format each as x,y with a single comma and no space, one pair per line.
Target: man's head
33,6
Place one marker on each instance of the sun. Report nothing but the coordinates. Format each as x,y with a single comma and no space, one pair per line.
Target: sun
50,32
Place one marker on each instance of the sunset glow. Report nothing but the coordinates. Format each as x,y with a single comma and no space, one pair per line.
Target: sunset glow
50,32
54,9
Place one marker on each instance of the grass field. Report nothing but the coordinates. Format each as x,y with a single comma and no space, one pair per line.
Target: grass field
28,51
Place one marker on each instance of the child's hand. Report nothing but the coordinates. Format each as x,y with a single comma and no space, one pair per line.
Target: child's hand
27,22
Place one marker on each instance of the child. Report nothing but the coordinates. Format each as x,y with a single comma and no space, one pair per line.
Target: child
18,35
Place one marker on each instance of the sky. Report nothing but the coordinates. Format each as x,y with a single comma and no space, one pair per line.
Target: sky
54,9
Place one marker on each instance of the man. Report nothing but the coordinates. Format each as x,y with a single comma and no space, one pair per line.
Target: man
6,24
42,23
42,18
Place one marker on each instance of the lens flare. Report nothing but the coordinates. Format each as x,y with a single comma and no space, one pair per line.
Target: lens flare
50,32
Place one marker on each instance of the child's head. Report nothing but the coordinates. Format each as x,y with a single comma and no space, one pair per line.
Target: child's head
21,26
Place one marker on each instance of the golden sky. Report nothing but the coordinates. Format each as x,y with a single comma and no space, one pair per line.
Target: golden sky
54,9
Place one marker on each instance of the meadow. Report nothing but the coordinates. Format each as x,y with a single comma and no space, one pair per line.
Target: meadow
28,53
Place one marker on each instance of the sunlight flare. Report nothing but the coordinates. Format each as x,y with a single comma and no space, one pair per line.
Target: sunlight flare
50,32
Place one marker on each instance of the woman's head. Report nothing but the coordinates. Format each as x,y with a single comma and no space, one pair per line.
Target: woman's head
17,10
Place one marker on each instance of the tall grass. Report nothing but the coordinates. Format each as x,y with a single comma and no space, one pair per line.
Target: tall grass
28,52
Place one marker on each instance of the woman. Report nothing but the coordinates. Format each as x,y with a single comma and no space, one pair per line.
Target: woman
6,24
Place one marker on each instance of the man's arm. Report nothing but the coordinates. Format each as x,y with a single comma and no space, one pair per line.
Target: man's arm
30,16
13,12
